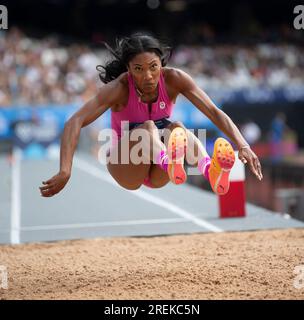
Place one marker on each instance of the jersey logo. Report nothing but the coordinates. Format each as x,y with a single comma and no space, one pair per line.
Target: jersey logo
162,105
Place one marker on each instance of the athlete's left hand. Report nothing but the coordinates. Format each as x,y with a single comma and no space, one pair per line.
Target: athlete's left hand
246,155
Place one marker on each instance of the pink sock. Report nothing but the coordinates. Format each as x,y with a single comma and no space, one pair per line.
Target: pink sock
162,160
203,166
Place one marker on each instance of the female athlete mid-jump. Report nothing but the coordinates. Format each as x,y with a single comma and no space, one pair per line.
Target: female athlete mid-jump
140,89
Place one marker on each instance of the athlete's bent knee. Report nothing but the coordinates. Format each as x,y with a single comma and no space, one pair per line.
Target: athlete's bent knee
177,124
149,125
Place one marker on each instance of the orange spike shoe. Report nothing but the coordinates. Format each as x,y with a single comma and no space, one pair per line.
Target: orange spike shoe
176,154
221,163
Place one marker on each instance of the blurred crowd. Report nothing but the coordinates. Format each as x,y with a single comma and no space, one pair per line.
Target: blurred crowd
43,71
238,67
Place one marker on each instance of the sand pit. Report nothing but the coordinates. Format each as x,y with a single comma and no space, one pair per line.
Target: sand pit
240,265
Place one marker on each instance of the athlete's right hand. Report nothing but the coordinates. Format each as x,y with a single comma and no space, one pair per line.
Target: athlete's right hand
54,185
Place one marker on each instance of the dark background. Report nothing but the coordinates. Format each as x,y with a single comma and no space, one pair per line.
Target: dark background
94,20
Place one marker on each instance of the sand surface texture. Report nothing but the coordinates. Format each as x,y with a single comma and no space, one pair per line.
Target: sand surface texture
238,265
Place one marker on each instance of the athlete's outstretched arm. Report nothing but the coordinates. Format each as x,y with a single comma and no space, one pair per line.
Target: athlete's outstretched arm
90,111
200,99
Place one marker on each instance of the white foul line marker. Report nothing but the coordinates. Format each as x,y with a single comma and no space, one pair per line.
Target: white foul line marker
102,224
15,198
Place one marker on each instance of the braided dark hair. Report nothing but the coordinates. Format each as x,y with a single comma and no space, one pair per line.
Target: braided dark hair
126,49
